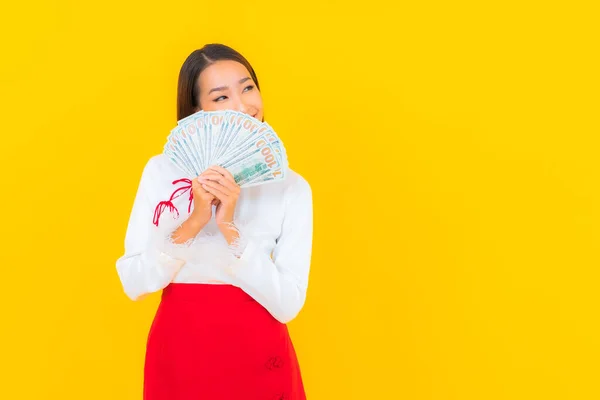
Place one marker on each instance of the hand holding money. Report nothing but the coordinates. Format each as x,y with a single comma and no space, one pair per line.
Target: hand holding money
199,217
243,151
248,148
203,201
220,183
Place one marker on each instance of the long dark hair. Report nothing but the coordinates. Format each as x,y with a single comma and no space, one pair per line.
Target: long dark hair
188,97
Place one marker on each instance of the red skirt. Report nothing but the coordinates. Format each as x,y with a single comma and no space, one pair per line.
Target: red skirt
216,342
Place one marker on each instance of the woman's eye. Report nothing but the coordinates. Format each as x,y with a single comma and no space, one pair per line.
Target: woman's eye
249,86
220,97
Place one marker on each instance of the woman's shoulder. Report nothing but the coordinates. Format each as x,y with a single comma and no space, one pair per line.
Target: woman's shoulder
295,181
158,161
295,187
160,165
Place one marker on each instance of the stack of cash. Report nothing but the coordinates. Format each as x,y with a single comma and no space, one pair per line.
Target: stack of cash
246,147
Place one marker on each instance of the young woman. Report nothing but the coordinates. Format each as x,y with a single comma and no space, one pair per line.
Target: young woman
233,266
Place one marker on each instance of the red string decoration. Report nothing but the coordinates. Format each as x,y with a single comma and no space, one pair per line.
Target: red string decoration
160,207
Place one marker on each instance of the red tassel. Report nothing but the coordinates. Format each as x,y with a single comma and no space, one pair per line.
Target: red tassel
160,207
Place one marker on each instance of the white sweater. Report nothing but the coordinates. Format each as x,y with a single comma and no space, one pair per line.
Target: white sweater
270,262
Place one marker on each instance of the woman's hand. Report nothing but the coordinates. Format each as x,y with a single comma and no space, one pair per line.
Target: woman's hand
219,182
203,201
199,217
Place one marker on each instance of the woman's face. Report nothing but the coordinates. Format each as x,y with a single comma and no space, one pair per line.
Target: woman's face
227,85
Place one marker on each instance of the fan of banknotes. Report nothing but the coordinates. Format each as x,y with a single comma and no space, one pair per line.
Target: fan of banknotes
246,147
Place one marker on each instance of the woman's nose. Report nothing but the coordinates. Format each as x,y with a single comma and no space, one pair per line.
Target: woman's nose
241,107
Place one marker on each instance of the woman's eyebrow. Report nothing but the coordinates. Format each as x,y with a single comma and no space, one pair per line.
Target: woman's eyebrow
220,88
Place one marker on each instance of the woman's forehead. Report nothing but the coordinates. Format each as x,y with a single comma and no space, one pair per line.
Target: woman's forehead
226,72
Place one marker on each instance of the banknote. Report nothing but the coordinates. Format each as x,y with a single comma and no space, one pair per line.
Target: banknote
194,127
250,149
261,163
242,129
174,148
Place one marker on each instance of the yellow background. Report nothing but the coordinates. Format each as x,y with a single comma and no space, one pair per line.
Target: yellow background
452,148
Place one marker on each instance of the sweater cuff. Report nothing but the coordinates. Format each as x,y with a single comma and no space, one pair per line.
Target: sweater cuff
170,252
239,244
242,265
169,262
244,249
